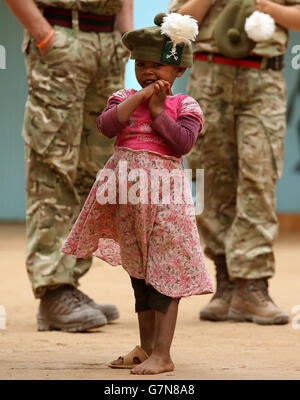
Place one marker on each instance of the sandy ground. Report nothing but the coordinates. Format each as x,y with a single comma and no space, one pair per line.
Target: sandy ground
201,349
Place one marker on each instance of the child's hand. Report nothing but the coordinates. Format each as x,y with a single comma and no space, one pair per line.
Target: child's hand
154,87
148,91
161,90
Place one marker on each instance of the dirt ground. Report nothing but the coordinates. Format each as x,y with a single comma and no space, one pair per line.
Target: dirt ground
202,350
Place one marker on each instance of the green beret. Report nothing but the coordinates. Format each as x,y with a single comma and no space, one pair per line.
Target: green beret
230,35
150,44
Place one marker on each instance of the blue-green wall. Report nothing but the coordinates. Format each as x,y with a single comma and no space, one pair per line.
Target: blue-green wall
12,99
288,188
13,90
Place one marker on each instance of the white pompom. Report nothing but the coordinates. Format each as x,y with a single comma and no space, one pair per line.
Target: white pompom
179,28
260,26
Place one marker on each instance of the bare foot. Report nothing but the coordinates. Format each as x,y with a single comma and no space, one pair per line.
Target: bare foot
153,365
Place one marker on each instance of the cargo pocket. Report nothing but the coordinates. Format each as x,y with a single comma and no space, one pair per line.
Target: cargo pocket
277,149
121,54
52,90
274,117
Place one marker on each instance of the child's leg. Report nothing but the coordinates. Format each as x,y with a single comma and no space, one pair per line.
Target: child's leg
146,321
160,358
146,318
156,328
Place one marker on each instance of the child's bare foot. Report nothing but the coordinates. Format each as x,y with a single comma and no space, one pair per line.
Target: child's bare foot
153,365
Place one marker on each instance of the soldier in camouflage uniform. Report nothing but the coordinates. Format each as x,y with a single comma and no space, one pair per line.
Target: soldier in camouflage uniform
241,153
69,80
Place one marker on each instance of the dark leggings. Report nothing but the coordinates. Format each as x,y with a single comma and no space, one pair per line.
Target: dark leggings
148,298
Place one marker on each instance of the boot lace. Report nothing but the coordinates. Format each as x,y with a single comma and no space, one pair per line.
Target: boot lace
82,296
259,287
73,298
224,285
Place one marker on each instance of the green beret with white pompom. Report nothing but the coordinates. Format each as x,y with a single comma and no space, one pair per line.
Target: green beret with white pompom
168,42
239,27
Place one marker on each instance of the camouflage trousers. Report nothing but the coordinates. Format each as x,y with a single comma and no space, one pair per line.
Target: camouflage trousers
241,153
68,89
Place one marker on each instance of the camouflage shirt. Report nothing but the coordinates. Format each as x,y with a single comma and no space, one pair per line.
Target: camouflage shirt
104,7
205,39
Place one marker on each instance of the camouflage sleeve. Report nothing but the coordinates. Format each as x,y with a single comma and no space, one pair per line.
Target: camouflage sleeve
175,4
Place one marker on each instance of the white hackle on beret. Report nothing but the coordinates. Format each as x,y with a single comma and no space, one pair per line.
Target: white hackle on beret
260,26
179,28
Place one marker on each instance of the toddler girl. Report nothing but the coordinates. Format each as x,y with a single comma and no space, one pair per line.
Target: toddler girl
123,221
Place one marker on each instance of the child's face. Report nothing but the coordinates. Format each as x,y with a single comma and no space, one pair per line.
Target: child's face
148,72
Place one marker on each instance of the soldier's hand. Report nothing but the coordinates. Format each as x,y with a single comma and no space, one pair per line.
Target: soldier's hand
261,5
47,46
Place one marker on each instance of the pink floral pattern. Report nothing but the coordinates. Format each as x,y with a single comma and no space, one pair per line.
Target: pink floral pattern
156,242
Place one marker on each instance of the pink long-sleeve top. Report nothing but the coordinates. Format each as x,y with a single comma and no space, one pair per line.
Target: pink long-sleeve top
172,133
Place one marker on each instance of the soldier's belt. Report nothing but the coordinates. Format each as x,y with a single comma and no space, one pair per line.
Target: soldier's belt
86,21
275,63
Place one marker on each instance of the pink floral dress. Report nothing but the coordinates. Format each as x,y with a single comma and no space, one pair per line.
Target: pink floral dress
153,240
